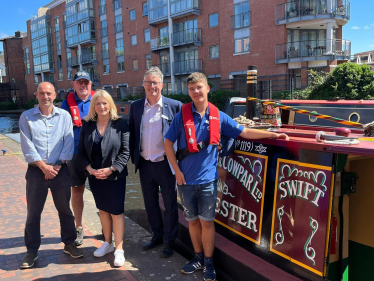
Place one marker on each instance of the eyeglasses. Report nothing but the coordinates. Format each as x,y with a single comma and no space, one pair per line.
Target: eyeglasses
150,83
83,82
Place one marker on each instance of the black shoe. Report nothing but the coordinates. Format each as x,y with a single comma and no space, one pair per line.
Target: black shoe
167,251
28,261
73,251
151,244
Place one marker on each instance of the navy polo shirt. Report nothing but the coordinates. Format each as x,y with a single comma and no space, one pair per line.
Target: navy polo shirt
201,167
83,107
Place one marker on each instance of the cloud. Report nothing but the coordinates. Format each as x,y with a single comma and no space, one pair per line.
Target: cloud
3,34
371,45
355,27
366,27
21,11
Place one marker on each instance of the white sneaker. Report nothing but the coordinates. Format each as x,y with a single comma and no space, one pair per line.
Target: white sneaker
104,249
119,258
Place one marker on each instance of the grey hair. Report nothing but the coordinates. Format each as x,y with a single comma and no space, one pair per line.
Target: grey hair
154,71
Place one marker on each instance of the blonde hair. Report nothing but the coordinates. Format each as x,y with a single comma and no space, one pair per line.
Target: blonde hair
113,109
197,77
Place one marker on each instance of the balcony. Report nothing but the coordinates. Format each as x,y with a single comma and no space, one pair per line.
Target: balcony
120,51
116,4
48,67
157,12
241,20
102,9
165,68
187,37
117,27
105,54
187,66
336,49
159,43
182,8
104,32
72,61
88,37
89,58
304,10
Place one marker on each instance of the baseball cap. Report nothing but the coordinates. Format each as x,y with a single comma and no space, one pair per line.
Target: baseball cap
82,75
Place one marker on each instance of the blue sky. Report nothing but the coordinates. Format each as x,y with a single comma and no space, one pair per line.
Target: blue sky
360,29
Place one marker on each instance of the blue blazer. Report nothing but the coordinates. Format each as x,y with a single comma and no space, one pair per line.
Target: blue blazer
170,109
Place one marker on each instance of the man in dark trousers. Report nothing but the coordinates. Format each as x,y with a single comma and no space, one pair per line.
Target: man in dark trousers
150,119
47,143
77,104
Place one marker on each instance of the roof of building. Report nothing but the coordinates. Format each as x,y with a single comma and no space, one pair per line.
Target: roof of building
22,35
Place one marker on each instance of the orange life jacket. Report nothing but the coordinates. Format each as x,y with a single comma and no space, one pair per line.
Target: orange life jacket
74,111
189,129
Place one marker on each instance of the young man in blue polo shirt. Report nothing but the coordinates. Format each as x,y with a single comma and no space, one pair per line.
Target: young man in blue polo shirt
197,173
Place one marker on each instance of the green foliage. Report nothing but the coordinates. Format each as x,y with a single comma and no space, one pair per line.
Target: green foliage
183,98
286,95
132,97
30,104
348,80
219,97
8,105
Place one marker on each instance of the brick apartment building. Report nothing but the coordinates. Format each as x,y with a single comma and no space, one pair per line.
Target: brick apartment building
364,57
116,40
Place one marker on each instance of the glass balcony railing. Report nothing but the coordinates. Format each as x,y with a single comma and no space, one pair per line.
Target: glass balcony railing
72,61
306,9
313,49
105,54
120,51
104,32
241,20
116,4
117,27
184,7
165,68
189,36
157,11
89,58
160,42
102,9
187,66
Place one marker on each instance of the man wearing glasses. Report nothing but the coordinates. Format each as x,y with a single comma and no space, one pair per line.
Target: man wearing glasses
150,119
77,103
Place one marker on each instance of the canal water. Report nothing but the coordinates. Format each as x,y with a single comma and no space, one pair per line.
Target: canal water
134,205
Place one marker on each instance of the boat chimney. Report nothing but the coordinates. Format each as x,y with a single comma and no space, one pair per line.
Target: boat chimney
251,91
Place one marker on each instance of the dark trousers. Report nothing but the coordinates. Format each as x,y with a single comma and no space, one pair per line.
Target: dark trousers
153,175
36,195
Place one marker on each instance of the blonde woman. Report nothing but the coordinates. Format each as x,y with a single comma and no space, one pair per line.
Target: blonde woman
104,152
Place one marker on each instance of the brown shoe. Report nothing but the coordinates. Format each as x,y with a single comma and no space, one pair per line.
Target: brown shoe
73,251
28,261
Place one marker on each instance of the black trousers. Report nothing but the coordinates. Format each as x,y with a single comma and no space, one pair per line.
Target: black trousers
152,176
36,194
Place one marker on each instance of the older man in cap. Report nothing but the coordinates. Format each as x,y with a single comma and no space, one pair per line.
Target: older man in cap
77,104
47,143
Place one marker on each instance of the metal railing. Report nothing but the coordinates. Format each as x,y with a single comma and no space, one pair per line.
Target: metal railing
300,8
116,4
102,9
89,57
105,54
314,48
179,6
104,32
165,68
187,66
241,20
160,42
187,36
120,51
72,61
117,27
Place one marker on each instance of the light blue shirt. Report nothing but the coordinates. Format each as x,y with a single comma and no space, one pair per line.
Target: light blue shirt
47,138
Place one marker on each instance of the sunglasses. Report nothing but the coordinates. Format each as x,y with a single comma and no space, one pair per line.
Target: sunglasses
83,82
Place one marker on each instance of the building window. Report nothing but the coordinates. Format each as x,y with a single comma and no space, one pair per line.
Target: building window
60,75
119,49
135,65
57,26
105,51
213,20
118,24
148,61
242,45
214,52
121,66
145,9
132,15
134,41
106,69
36,79
241,12
147,35
69,75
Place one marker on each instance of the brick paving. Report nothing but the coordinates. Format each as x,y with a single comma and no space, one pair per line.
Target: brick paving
53,263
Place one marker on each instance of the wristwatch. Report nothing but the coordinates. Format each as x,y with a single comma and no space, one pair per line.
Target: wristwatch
60,162
110,168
